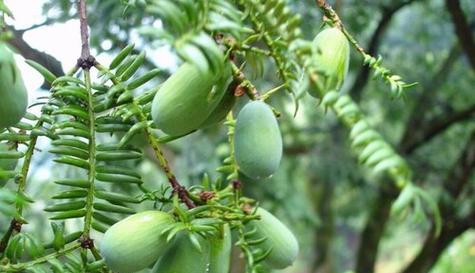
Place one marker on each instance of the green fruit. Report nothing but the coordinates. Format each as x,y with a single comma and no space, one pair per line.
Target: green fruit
184,257
282,242
6,164
136,242
257,141
13,94
187,98
220,252
222,109
331,56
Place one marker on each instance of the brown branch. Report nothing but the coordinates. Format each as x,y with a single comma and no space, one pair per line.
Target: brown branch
374,228
15,226
436,126
460,175
29,53
417,133
46,22
452,227
373,46
416,120
86,61
433,247
462,29
82,10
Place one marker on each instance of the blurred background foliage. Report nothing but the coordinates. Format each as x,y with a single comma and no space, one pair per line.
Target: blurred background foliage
339,211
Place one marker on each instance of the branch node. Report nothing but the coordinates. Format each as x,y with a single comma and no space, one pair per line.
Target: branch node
86,63
16,225
86,242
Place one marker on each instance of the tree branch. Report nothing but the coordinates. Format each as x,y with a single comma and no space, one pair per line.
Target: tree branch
24,49
462,29
433,247
374,228
417,116
453,226
373,46
82,10
436,126
378,218
460,175
46,22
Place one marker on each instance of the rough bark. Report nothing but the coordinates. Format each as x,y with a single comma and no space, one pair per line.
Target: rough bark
46,60
413,134
452,227
462,29
324,233
374,229
375,226
433,247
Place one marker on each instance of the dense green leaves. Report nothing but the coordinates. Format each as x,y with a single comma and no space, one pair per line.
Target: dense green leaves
97,176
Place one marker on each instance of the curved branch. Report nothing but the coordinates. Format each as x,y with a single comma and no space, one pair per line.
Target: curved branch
46,22
436,126
433,247
462,29
416,121
453,227
374,229
373,46
46,60
379,216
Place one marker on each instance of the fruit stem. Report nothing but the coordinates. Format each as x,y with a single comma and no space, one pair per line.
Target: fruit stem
332,16
244,83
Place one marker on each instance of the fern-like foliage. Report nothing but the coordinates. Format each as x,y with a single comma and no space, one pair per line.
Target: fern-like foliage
81,114
77,117
397,85
191,27
277,27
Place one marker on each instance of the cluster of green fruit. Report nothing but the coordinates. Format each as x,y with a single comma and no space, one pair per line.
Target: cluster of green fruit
13,103
191,99
140,240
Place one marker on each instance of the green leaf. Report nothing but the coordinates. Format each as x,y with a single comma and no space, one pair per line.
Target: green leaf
47,75
69,214
121,56
113,208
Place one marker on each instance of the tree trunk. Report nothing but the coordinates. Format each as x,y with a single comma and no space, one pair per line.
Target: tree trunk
433,248
374,229
324,233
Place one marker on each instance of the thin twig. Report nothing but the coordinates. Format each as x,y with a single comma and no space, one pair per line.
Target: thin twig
331,15
85,51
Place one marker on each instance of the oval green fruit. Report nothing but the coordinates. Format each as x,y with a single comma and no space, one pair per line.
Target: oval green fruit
257,141
6,164
331,55
183,257
220,251
282,242
222,109
13,94
136,242
186,99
